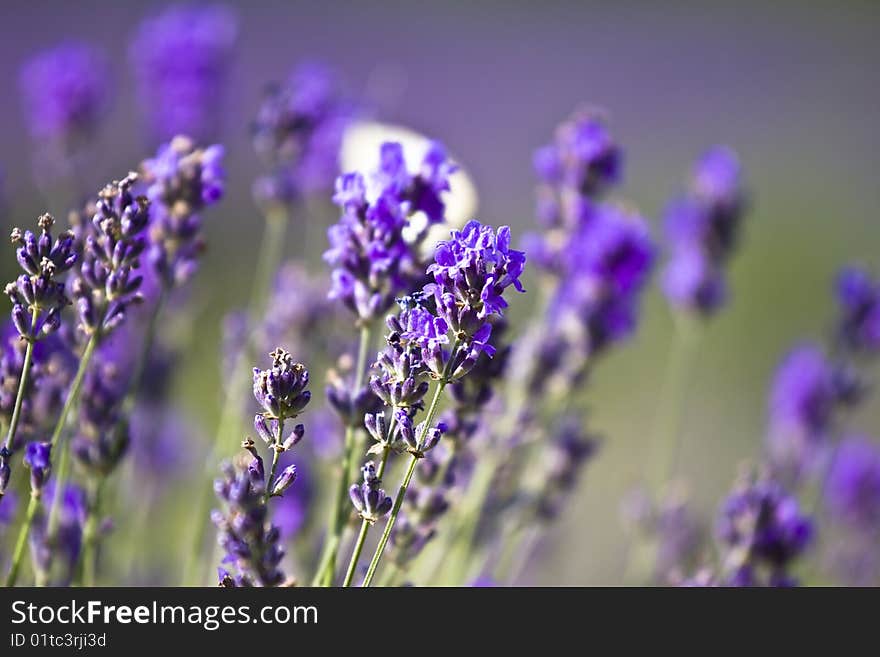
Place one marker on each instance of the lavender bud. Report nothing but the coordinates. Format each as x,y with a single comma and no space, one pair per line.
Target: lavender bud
284,480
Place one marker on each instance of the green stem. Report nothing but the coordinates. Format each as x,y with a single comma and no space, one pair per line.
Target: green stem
268,260
276,453
356,554
22,384
20,542
90,536
339,511
25,529
401,492
365,524
671,403
64,466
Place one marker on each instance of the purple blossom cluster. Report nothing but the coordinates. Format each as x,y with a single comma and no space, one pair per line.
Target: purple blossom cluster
66,93
249,539
763,531
55,554
182,180
809,391
298,133
108,281
858,298
702,228
37,295
373,256
181,59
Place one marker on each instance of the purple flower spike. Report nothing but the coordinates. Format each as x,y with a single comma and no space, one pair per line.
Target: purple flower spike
368,499
181,60
37,457
298,134
858,297
852,489
66,92
281,390
182,180
374,258
702,228
762,525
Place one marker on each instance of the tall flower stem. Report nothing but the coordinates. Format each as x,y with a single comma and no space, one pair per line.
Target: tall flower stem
21,540
90,536
404,486
668,437
365,524
268,260
276,452
22,385
128,404
69,402
327,568
671,403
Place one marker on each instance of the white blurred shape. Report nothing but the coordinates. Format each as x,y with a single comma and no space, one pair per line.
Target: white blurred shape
360,152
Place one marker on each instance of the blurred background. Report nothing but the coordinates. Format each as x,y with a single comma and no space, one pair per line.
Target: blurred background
792,87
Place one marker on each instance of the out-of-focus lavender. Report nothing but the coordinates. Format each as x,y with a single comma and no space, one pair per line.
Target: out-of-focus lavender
297,133
703,229
181,59
55,554
373,256
66,92
182,181
858,299
762,531
250,540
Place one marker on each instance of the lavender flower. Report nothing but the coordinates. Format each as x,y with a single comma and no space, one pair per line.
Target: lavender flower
56,555
66,93
574,172
368,499
703,229
182,180
103,435
247,535
37,296
471,272
852,487
763,529
181,59
250,541
108,283
298,133
606,265
281,390
859,300
374,258
52,368
37,458
570,450
806,393
851,496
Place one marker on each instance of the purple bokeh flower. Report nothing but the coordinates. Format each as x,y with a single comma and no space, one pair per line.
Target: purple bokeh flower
373,258
762,527
298,134
66,92
858,298
108,280
852,487
807,391
55,556
182,181
181,59
702,229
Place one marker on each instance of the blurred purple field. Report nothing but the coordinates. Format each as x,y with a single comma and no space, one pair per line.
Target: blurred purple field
565,293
